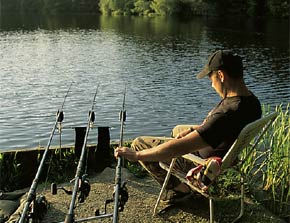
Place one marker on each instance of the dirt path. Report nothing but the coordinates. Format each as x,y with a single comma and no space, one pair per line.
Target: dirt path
142,197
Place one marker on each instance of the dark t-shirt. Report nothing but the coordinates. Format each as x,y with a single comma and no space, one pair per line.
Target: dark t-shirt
224,123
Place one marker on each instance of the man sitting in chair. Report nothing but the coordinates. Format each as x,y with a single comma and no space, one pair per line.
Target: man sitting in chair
238,107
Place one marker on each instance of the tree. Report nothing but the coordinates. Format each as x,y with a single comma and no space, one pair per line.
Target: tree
142,7
163,7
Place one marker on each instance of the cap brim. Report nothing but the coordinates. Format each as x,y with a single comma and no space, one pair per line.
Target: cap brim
203,73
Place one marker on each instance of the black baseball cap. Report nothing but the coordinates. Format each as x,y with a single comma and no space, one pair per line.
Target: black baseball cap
223,60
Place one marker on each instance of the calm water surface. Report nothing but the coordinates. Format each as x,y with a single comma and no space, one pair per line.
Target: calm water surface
156,59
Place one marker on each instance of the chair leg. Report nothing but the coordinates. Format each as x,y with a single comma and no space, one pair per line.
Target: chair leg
242,199
164,185
211,211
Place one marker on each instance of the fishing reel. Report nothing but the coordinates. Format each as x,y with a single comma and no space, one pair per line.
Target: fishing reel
84,188
37,210
123,196
40,207
122,199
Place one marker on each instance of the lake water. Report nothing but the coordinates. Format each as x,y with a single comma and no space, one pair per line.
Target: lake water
157,59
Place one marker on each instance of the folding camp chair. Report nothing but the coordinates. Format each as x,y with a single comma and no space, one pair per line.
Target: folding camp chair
248,133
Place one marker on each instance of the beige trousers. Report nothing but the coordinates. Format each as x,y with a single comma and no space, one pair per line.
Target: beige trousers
153,168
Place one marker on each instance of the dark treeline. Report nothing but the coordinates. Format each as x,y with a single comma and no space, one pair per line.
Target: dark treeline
49,6
251,8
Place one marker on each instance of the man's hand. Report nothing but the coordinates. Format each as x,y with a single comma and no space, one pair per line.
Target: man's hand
127,153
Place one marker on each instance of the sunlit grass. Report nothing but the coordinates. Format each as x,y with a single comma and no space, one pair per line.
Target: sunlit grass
268,166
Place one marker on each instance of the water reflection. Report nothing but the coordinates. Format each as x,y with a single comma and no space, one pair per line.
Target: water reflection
156,58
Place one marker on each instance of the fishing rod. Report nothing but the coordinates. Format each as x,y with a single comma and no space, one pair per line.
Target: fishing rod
81,182
31,197
121,194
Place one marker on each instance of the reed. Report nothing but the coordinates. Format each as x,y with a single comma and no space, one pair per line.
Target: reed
268,166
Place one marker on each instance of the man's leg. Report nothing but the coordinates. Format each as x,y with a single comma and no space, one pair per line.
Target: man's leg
159,174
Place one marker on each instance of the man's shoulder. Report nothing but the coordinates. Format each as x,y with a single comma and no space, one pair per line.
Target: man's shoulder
234,103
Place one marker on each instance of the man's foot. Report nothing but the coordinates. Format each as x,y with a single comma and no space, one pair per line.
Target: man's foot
172,196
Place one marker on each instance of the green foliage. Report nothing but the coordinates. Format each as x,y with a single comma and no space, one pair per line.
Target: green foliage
14,174
227,184
253,8
278,8
163,7
8,172
128,6
142,7
61,167
116,7
269,163
149,7
105,7
136,169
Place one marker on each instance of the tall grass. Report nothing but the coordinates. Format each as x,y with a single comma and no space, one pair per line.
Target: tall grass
268,166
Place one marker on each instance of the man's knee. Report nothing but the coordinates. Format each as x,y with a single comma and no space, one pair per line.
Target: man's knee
178,129
147,142
136,143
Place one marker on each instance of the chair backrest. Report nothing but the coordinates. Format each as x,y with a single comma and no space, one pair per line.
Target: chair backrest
245,137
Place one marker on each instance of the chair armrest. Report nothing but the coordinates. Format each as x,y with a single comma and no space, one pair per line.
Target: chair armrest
195,159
